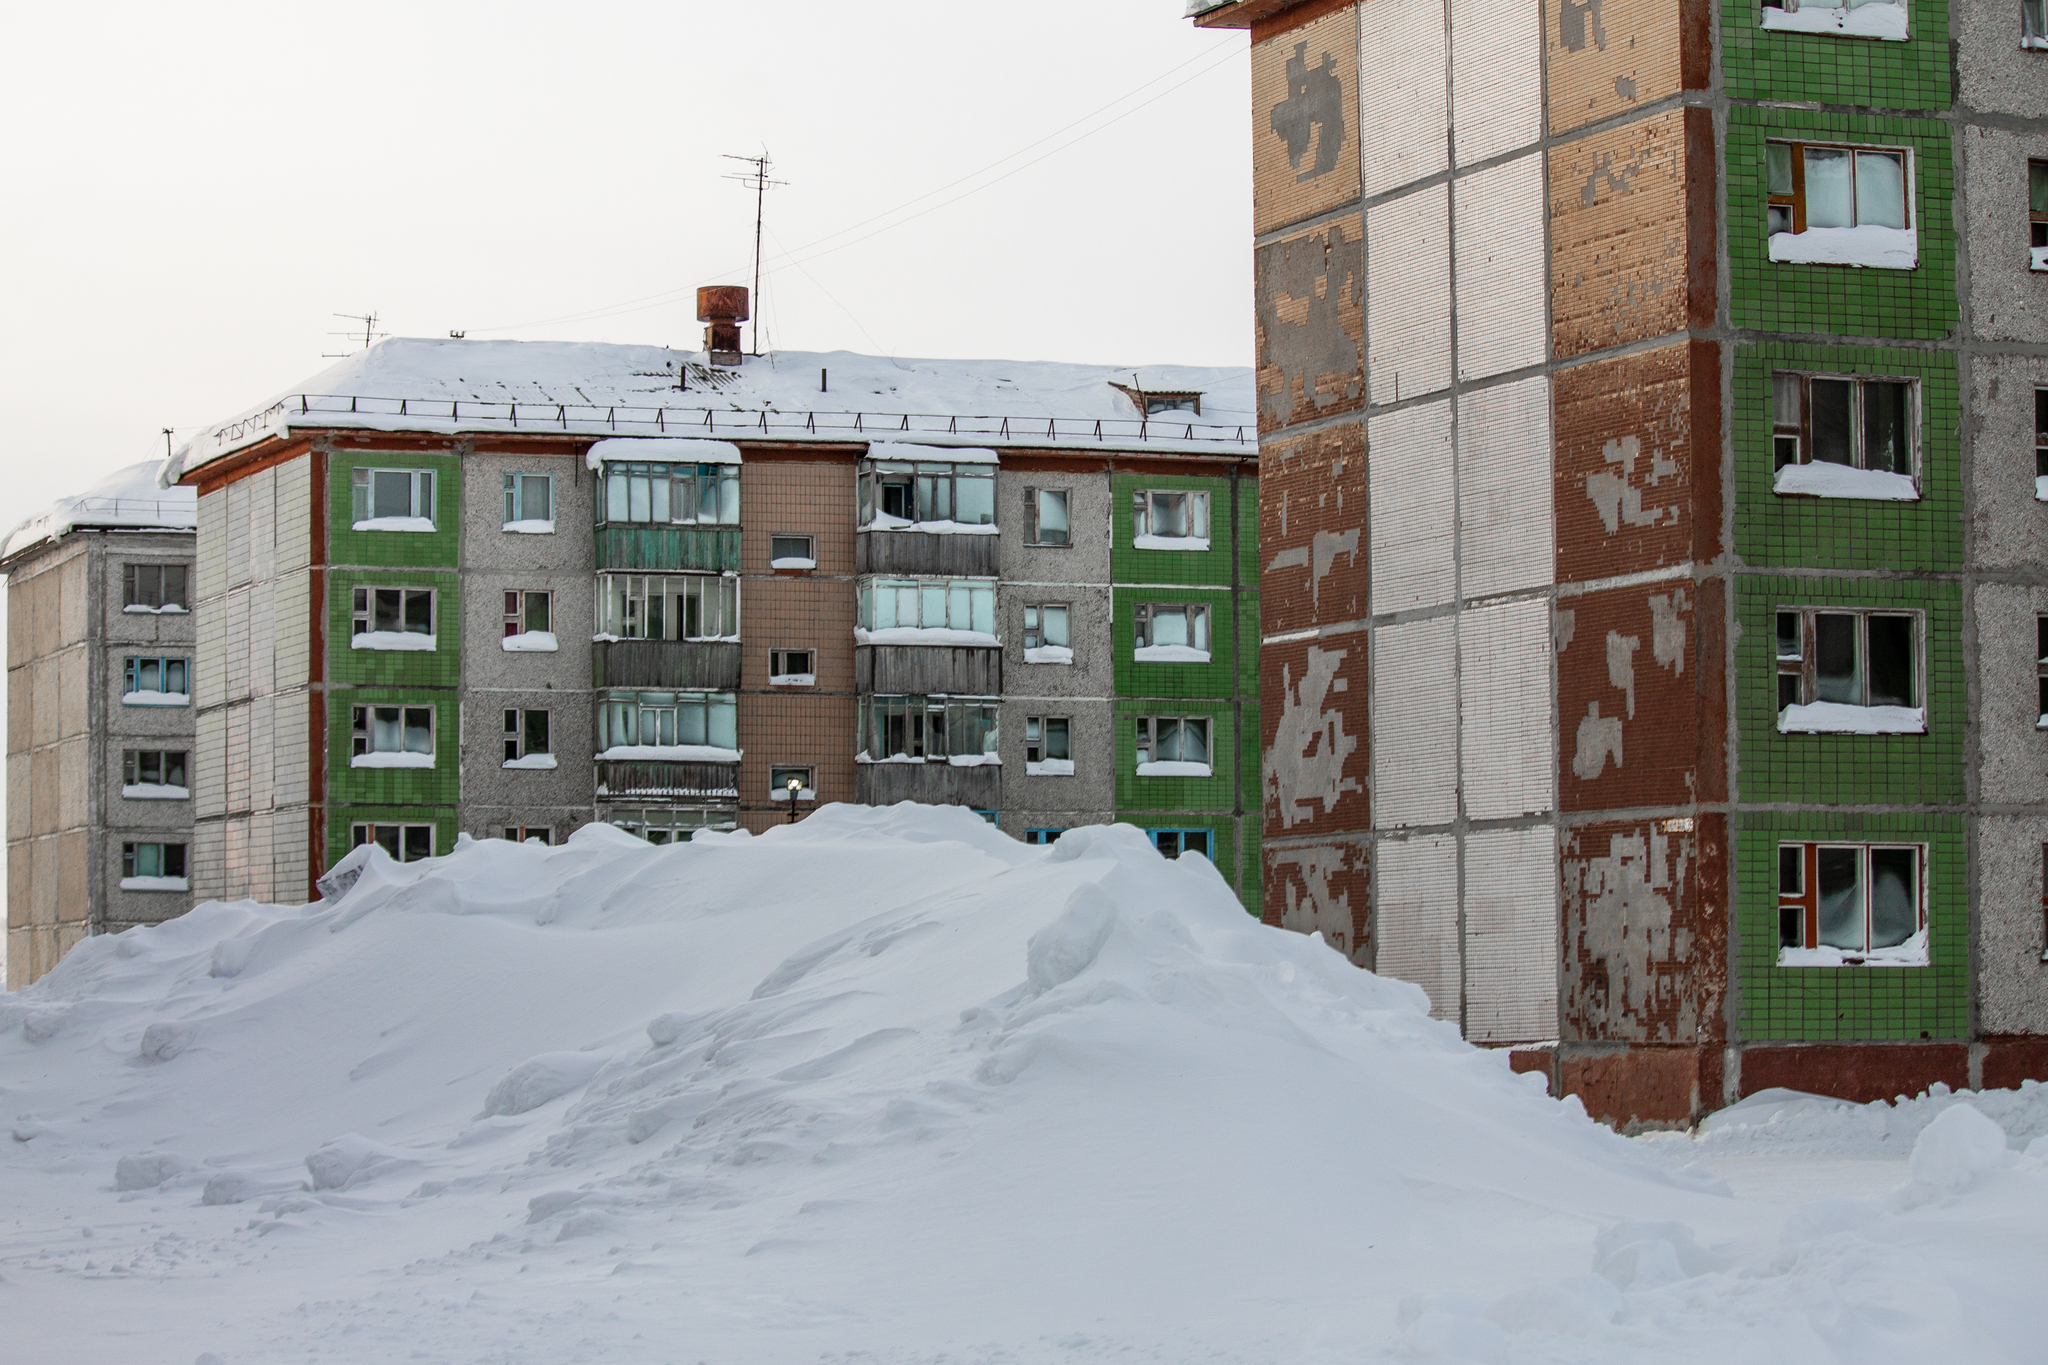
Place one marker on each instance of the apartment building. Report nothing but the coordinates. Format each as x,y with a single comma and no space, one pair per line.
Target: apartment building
99,726
1651,407
502,589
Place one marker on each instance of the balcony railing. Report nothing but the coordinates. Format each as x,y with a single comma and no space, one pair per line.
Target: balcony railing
926,670
920,552
654,549
935,783
666,665
641,778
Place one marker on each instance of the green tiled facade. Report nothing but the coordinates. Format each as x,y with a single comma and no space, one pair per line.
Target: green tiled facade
434,549
440,666
1828,1004
1762,65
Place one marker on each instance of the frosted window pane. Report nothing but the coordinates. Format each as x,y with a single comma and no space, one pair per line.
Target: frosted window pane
1841,898
1880,189
1827,188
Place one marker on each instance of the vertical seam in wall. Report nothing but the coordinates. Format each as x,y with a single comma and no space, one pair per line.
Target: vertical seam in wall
1368,844
1555,665
1459,819
96,687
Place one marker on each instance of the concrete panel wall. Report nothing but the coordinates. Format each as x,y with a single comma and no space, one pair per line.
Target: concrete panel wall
1501,274
1405,106
1505,527
1414,724
1496,77
1994,73
2008,301
1511,935
1312,532
1309,312
1505,720
2015,749
2012,979
1408,278
1416,924
1305,120
2009,530
1412,541
1610,283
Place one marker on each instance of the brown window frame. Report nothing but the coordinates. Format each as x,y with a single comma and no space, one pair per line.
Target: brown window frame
1797,434
517,606
1801,672
1795,201
1799,909
2037,202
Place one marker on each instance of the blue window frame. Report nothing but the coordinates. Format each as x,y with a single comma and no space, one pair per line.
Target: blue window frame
145,680
1171,843
1043,836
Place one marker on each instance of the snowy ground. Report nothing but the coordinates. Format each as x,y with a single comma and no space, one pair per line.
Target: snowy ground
887,1086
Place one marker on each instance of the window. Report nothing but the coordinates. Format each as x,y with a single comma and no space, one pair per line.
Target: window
153,867
896,493
1834,187
1045,634
520,834
528,613
672,825
2034,23
393,617
2037,211
155,682
778,784
1045,516
1048,746
1173,746
1855,899
1171,843
154,587
942,728
529,502
1864,659
667,720
791,668
929,604
1154,402
1861,423
159,773
791,552
672,494
1173,632
526,737
2041,667
1043,836
676,607
1170,516
391,736
405,843
2040,437
386,497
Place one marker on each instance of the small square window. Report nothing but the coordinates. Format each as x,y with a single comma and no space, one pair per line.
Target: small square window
791,552
528,613
520,834
529,502
792,668
2037,212
1045,629
1048,746
1045,517
526,734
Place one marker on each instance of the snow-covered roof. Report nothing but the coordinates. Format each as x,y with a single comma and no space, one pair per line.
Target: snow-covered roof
591,388
129,498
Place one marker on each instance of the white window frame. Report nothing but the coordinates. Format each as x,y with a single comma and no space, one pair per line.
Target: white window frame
518,733
638,493
1804,900
1038,627
939,603
624,611
363,733
1034,518
518,509
637,717
518,616
420,496
784,563
1148,513
1145,614
1151,732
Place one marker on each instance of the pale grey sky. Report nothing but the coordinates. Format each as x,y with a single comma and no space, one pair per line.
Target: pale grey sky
194,190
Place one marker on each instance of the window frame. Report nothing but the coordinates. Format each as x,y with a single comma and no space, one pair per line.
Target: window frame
424,489
923,500
981,604
714,818
1148,738
363,609
131,857
363,728
678,591
2040,435
132,768
515,489
2037,208
2034,25
1044,837
1144,613
1035,631
810,543
1144,512
368,832
778,779
1038,741
929,724
1806,671
2041,667
518,735
615,706
1034,515
1178,836
132,670
615,491
1799,910
517,619
132,595
1794,200
1799,431
778,666
519,834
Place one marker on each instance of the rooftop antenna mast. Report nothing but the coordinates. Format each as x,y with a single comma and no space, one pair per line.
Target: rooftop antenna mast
757,180
370,334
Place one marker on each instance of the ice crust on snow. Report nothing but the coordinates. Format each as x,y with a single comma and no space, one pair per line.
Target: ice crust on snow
888,1083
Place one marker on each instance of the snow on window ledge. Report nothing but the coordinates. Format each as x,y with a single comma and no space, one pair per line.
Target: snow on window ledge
1171,654
529,642
793,680
1174,768
603,638
394,524
792,562
530,763
2041,488
1881,248
974,760
671,753
155,884
2039,42
1877,20
862,757
391,760
2040,258
1823,480
1911,953
923,635
156,699
1049,654
882,521
1050,767
1839,718
531,527
802,794
391,639
168,608
154,791
1169,542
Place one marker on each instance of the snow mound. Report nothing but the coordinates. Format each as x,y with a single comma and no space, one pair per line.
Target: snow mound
882,1083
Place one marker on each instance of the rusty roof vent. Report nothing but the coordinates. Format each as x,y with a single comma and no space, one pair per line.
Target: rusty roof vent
722,308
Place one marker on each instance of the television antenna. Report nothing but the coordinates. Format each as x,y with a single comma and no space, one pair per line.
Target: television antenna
370,334
756,180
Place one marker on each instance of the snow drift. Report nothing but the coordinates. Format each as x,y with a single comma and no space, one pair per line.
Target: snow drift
884,1081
